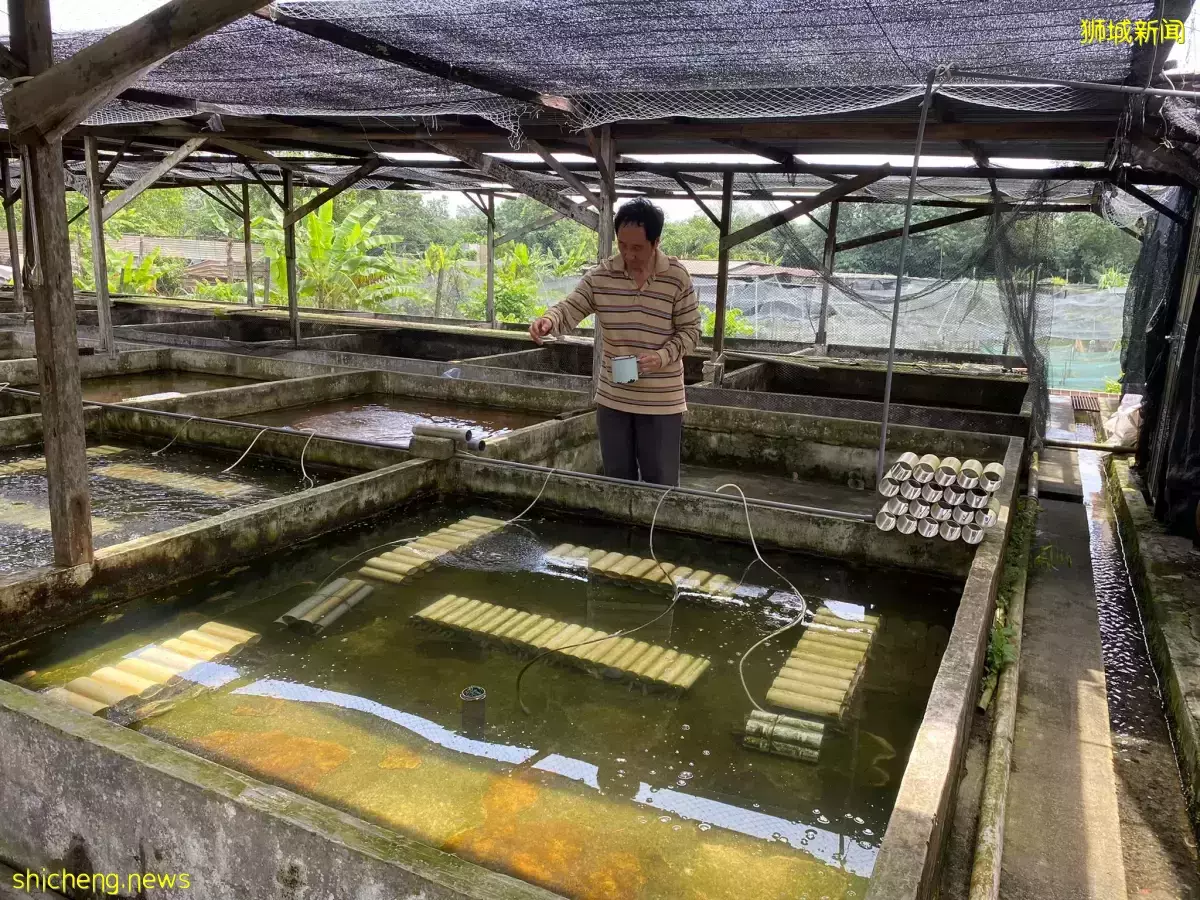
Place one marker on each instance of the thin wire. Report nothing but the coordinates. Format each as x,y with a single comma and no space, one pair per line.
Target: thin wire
617,634
759,558
246,453
174,439
304,476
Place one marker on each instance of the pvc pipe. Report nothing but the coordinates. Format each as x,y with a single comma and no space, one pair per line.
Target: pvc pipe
889,487
896,506
992,477
455,434
918,509
927,527
931,494
906,524
925,467
962,515
356,598
968,474
907,462
950,531
910,490
977,499
986,518
953,496
972,533
304,607
947,472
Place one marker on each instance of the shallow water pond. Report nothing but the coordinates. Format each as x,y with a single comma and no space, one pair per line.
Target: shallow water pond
602,789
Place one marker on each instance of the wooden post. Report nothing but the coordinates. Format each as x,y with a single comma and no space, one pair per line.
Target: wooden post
604,243
289,255
491,260
722,272
827,273
248,250
14,246
108,343
229,260
52,296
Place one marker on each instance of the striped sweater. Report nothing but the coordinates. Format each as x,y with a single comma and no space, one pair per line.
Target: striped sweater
663,317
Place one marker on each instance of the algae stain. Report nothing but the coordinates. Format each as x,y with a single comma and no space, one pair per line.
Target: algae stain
400,758
296,760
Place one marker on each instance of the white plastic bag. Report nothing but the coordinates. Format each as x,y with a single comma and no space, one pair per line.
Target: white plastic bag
1122,426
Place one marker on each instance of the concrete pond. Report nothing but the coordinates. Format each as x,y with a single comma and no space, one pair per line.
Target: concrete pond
341,762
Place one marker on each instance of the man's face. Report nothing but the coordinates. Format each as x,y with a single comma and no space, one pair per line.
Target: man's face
636,249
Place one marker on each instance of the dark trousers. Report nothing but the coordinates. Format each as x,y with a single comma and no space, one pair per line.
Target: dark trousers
633,443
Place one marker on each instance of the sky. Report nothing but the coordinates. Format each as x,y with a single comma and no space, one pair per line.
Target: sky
85,15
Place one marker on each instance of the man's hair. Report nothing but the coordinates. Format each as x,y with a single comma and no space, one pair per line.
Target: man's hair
641,211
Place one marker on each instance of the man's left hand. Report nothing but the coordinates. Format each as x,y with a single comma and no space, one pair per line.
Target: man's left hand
649,362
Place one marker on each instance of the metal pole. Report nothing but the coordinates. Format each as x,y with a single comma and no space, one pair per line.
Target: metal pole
1082,85
289,254
248,252
912,189
491,260
830,250
604,246
722,274
108,342
14,246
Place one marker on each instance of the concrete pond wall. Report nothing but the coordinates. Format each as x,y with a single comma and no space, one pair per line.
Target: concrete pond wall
89,795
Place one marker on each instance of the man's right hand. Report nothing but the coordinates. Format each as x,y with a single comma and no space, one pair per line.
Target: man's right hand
541,327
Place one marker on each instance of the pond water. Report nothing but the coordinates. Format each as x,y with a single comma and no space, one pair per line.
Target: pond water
116,388
389,419
134,493
601,790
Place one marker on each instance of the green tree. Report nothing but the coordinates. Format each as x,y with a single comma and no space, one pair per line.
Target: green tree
516,287
445,266
342,263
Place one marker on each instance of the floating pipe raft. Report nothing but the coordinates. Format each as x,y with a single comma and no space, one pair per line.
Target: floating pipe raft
407,560
145,674
37,518
38,463
618,657
784,735
643,571
327,605
175,480
820,676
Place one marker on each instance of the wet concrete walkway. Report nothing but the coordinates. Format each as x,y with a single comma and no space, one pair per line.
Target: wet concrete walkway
1062,831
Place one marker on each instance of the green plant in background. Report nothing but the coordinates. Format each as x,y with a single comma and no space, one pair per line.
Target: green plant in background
517,287
228,292
445,265
340,264
735,323
1050,558
1113,385
151,275
1113,277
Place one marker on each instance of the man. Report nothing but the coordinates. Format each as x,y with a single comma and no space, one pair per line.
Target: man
647,308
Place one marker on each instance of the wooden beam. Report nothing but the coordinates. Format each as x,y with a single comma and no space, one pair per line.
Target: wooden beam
289,255
723,249
249,151
108,341
606,167
52,297
522,230
343,183
114,162
919,227
539,191
266,187
56,100
131,193
476,201
687,189
372,46
827,261
490,250
818,222
782,157
221,201
605,238
1138,194
247,246
14,248
564,173
10,66
836,192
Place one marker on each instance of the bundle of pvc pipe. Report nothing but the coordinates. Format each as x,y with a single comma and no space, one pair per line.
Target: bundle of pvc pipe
326,606
784,735
931,496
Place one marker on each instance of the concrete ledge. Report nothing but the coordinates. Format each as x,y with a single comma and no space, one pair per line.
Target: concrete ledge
108,799
18,431
251,398
865,410
1166,574
41,598
459,390
791,529
569,444
907,865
